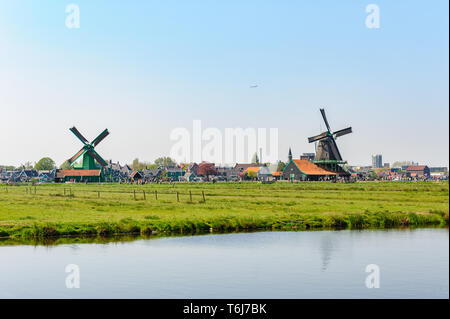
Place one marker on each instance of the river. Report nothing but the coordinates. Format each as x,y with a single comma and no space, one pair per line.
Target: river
406,263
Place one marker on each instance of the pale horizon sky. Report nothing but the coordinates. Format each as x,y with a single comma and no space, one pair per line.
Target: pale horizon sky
144,69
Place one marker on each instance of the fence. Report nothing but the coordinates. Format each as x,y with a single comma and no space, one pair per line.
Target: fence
135,194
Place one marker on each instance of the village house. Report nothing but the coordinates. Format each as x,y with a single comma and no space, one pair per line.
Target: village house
46,176
126,170
26,175
304,170
262,173
151,174
238,169
136,176
79,175
227,173
112,172
419,171
277,175
174,173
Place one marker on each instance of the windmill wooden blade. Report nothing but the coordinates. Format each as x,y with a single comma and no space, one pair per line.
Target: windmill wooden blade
100,138
317,137
335,150
97,157
78,134
76,156
345,131
325,119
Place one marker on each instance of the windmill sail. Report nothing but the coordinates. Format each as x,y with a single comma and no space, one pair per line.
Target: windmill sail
76,156
78,134
97,157
345,131
317,137
325,119
100,138
334,149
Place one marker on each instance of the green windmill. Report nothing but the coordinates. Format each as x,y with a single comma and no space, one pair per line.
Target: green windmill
90,156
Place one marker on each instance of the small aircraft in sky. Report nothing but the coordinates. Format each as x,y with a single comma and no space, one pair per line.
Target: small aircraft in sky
253,86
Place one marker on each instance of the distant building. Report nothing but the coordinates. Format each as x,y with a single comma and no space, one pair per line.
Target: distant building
151,174
239,168
136,176
174,173
78,175
228,173
386,165
377,161
438,170
262,172
418,171
307,156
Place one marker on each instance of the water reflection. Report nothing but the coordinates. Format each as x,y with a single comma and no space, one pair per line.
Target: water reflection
327,245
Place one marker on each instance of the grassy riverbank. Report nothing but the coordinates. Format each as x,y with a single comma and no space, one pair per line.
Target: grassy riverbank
111,209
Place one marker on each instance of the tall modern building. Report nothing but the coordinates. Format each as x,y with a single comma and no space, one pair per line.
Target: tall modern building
377,161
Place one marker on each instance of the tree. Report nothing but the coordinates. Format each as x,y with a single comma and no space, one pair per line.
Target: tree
373,175
255,159
139,166
45,164
281,166
165,162
206,169
251,175
7,167
65,165
135,165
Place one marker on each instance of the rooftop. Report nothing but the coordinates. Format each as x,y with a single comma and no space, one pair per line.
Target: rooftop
310,168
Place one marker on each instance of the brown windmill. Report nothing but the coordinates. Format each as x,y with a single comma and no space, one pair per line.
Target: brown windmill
327,150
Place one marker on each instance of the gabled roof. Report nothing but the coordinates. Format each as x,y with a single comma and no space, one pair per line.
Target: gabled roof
192,165
253,169
151,172
242,167
174,170
309,168
77,172
30,172
416,168
136,174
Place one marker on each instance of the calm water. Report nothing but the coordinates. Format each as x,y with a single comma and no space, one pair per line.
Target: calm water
322,264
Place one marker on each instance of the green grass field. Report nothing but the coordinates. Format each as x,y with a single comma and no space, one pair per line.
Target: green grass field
53,210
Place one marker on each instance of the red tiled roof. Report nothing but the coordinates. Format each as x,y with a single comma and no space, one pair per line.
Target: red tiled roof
77,172
310,168
416,168
253,169
277,173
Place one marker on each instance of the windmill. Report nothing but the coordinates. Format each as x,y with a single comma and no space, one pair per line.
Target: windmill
327,150
90,156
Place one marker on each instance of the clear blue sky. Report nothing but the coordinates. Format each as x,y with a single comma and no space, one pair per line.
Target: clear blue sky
143,68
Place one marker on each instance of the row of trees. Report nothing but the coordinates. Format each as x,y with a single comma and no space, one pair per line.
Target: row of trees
160,161
46,163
